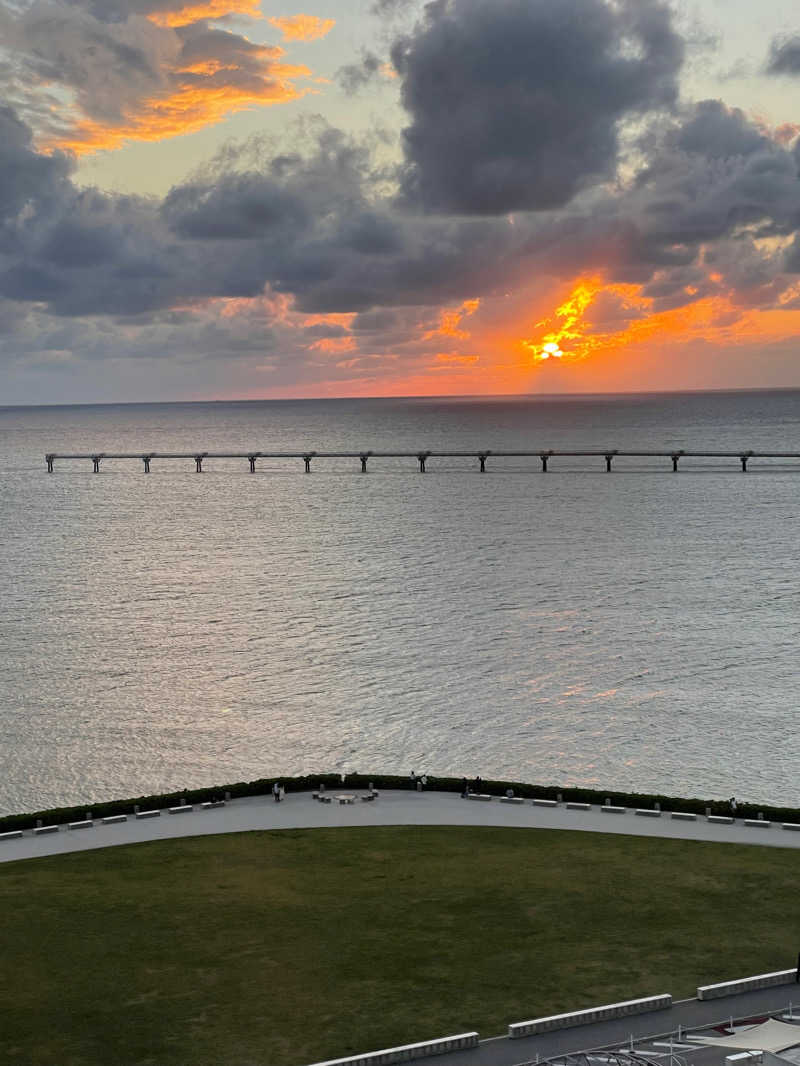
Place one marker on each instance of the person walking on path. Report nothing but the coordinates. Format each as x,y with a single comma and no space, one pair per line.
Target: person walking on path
276,792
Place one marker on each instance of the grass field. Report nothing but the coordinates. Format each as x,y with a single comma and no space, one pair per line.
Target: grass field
286,948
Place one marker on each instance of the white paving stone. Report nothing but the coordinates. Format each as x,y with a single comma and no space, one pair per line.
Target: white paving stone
299,811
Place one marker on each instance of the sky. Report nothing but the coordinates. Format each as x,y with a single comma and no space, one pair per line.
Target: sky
242,199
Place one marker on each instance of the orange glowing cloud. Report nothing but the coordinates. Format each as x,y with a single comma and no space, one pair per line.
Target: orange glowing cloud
330,318
333,344
200,94
567,338
206,9
303,27
450,321
715,322
459,360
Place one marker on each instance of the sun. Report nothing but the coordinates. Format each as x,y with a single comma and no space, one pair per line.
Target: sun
551,351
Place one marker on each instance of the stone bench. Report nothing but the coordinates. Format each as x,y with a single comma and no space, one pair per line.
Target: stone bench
757,823
683,816
747,984
478,796
87,823
112,819
408,1052
148,814
45,829
586,1017
608,809
646,812
211,805
579,806
791,825
511,799
181,809
12,834
545,803
721,819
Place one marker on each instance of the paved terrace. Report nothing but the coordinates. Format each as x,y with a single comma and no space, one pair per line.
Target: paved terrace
300,811
644,1029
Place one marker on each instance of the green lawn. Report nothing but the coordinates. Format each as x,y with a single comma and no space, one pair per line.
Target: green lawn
286,948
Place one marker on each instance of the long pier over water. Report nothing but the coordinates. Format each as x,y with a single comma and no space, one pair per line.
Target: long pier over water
421,457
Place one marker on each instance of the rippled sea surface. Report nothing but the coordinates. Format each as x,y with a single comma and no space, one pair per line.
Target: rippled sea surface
637,630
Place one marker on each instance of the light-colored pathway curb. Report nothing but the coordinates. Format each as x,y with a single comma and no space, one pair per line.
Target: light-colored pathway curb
300,811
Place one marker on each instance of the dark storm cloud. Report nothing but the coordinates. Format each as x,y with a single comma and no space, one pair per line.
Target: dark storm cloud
515,104
390,7
784,56
713,174
120,10
374,321
107,64
239,206
25,176
709,212
356,76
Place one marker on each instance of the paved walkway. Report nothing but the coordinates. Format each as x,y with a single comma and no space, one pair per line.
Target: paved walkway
300,811
688,1014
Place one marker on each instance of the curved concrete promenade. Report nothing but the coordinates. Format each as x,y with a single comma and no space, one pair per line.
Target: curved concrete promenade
300,811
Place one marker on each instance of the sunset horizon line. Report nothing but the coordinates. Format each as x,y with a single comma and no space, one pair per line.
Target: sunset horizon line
450,397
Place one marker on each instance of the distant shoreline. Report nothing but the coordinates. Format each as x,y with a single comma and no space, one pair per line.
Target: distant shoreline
543,397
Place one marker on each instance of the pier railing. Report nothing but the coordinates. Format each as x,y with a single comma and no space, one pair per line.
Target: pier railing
421,457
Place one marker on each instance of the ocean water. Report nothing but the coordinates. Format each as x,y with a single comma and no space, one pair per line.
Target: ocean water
632,630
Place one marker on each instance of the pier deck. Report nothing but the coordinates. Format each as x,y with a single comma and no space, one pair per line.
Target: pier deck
544,455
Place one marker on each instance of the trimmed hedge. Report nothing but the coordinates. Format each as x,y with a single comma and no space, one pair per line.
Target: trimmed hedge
262,786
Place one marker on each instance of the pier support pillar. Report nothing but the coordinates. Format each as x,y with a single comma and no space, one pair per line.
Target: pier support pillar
198,462
675,459
49,459
96,464
544,459
363,457
307,461
744,459
608,463
146,461
252,460
482,461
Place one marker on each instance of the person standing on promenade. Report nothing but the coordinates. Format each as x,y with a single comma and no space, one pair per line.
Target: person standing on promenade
464,788
276,792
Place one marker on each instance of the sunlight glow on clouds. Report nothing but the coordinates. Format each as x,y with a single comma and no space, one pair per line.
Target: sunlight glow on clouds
540,203
568,332
206,9
199,95
303,27
163,71
450,321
